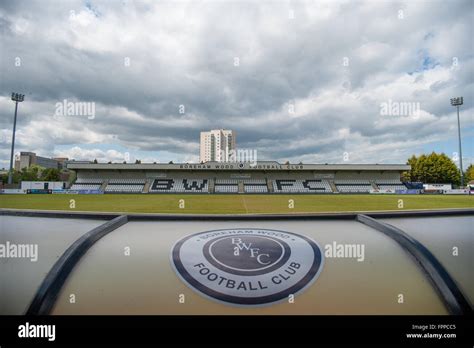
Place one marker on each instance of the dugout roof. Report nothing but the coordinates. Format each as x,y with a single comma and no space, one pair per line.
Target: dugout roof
136,264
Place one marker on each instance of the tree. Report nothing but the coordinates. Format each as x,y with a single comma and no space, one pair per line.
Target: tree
50,174
72,177
411,175
138,161
16,177
32,173
433,168
469,174
95,160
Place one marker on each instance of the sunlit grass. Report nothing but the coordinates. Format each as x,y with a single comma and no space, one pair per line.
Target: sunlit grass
233,204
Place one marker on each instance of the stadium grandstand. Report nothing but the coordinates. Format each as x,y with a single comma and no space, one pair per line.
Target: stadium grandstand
242,177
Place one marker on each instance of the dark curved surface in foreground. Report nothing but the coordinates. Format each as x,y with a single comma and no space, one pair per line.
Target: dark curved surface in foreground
48,292
452,296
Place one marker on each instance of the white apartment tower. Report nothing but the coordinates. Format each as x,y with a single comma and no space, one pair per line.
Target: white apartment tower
216,145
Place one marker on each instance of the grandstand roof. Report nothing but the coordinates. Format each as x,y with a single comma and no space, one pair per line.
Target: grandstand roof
249,166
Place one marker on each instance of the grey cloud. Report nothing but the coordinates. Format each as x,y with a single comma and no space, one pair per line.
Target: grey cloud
183,53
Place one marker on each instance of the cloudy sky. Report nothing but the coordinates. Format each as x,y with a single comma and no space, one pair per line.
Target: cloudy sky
310,81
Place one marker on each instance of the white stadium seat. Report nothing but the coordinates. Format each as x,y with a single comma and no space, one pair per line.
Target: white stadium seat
125,185
255,186
89,181
390,185
87,184
226,186
353,186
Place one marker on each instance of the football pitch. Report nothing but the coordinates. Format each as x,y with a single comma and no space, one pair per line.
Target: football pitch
232,204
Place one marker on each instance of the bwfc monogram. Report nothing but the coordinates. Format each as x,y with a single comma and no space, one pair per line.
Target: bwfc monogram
247,266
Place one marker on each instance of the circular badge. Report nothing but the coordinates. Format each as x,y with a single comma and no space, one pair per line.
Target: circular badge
247,266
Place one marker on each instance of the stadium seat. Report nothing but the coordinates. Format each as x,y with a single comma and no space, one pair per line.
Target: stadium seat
390,185
87,184
353,186
226,186
255,186
125,185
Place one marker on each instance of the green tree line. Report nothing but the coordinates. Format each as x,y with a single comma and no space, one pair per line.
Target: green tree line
33,173
436,168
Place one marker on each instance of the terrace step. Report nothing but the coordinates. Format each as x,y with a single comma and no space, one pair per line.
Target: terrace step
212,188
104,185
146,188
241,186
270,186
333,186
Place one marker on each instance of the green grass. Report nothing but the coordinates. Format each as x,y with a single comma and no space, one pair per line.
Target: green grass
233,204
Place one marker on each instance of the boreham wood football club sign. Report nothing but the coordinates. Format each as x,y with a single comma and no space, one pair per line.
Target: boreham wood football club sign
247,267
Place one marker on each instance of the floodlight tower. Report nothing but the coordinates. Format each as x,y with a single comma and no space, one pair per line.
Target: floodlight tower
17,98
457,102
